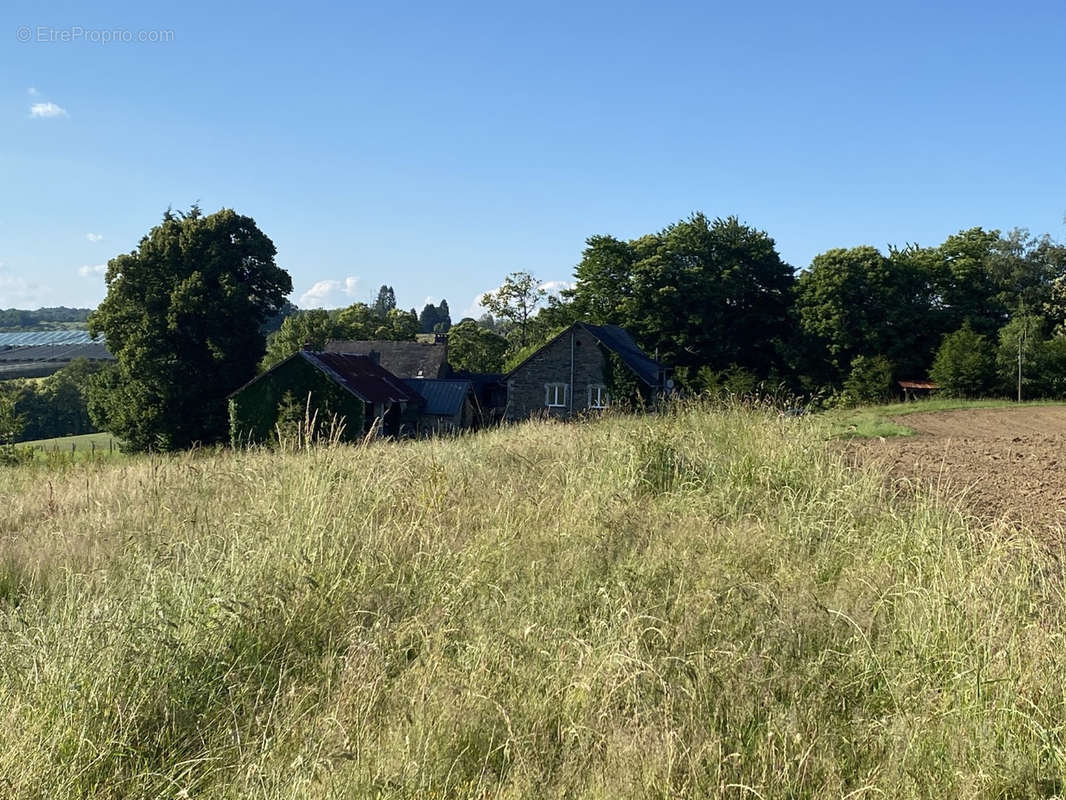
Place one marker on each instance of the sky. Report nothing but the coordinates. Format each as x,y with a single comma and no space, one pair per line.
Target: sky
436,147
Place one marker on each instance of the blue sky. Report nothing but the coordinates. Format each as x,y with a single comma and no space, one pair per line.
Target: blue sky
436,147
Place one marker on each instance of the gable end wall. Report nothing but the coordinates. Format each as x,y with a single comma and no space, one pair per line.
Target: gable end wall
551,364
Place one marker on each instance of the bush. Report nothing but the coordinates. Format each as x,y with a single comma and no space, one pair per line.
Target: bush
870,380
963,364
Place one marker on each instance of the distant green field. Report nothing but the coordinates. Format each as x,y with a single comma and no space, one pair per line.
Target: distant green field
873,421
86,444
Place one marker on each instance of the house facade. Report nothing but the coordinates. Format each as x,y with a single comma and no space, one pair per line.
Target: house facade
577,371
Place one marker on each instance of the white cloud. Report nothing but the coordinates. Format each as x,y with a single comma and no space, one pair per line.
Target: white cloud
90,270
47,110
20,293
32,92
556,287
94,237
330,294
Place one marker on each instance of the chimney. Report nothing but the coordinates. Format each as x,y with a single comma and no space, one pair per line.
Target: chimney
307,346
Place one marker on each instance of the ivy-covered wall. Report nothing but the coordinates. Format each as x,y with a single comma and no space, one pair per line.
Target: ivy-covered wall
253,411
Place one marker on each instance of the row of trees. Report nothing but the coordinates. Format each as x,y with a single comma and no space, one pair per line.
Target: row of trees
43,319
54,406
714,296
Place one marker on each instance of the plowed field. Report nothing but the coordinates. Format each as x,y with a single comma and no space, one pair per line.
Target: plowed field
998,464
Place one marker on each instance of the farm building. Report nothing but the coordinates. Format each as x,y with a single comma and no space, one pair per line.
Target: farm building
448,405
580,370
351,388
402,359
408,388
914,390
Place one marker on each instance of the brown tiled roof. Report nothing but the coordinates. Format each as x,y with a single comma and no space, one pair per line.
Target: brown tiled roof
362,377
403,359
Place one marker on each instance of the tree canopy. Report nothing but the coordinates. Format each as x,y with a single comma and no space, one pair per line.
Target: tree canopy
183,316
703,293
474,348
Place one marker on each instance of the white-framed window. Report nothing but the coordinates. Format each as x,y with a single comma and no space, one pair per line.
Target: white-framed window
598,396
556,394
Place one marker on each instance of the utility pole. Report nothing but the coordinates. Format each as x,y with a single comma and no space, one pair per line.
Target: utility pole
1021,341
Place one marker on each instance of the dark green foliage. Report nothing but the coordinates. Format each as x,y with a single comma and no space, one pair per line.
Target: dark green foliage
732,382
435,319
858,302
43,319
473,348
870,380
313,328
624,388
963,364
1043,360
290,393
701,292
274,321
11,424
385,302
316,327
57,405
183,317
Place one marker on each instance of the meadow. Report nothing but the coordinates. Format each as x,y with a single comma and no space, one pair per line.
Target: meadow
706,603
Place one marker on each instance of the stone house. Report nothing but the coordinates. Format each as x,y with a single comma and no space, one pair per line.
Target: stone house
578,371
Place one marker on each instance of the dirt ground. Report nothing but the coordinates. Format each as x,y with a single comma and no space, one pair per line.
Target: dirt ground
999,464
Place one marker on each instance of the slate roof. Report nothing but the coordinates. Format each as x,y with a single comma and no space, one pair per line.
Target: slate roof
444,398
361,376
619,342
403,359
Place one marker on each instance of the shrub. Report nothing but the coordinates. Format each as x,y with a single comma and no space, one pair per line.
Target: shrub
870,380
963,364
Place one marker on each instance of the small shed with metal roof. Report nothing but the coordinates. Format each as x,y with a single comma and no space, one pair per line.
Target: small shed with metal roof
448,405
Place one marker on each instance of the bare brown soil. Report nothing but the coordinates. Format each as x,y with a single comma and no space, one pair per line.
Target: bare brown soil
998,464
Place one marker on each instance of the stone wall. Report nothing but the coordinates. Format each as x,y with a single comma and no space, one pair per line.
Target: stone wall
551,364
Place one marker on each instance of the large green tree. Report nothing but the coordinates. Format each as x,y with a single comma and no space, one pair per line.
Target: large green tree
704,293
183,316
516,301
858,302
313,328
474,348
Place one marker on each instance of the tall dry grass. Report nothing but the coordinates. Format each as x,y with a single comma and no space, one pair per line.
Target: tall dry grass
703,604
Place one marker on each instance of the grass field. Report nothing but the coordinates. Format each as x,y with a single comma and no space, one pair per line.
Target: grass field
710,603
874,421
84,445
